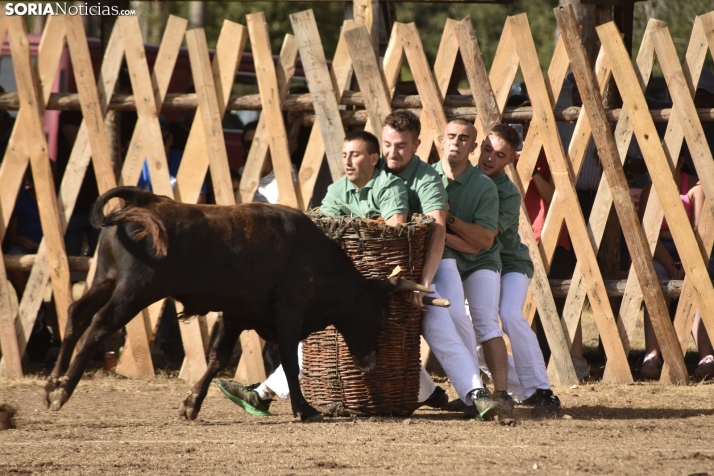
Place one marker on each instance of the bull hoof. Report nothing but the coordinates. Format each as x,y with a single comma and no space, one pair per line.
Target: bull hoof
316,418
51,385
57,399
187,412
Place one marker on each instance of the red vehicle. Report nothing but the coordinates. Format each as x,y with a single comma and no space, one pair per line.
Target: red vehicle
180,80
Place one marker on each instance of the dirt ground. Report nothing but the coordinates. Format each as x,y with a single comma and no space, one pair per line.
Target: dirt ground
115,425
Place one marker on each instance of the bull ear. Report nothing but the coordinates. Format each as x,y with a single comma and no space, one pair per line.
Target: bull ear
395,284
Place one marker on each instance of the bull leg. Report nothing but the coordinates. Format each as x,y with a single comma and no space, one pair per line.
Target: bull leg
112,317
80,316
290,322
228,332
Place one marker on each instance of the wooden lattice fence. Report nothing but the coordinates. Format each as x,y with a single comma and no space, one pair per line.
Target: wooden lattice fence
377,79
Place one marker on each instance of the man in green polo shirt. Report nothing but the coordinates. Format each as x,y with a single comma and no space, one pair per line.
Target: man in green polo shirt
365,190
497,151
400,140
470,266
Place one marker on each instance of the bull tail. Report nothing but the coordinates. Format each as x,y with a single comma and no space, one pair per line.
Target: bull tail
147,222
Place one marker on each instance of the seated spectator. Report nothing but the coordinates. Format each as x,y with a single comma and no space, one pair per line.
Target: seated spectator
174,157
235,181
24,232
668,265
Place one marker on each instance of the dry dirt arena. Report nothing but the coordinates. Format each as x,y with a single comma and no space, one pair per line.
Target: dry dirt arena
120,426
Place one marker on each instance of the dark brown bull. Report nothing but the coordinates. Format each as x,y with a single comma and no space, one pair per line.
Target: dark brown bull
266,267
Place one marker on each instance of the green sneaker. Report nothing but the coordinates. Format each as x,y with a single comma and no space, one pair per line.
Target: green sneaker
486,408
245,397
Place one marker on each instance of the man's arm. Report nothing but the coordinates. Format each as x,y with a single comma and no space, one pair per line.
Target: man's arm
433,253
476,236
396,218
455,242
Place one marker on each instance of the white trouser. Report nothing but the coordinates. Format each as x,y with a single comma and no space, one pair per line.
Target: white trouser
527,355
278,383
443,332
482,291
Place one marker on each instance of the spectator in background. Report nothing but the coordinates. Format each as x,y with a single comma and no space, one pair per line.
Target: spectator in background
268,186
235,181
181,127
6,124
24,232
591,171
173,156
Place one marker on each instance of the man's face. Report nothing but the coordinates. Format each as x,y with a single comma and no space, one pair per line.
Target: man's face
398,148
359,164
458,141
496,154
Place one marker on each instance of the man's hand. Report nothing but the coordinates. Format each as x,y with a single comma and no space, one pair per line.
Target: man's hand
417,298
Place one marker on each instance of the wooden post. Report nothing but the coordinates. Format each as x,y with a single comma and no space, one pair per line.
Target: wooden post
563,177
33,104
270,100
620,190
312,160
322,90
259,148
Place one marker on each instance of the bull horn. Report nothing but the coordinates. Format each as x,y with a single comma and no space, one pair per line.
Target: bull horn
406,285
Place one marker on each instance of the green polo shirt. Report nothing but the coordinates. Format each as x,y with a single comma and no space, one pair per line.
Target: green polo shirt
514,254
426,192
473,198
384,195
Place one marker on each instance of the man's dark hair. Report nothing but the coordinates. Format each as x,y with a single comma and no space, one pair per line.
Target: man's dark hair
403,120
369,139
507,133
251,126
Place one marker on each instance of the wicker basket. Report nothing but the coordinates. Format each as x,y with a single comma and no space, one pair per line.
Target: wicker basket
331,383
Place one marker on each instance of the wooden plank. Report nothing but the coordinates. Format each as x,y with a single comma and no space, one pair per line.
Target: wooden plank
194,365
603,202
321,88
620,190
488,112
560,368
423,78
41,172
146,109
694,59
211,116
340,75
71,182
443,69
192,171
270,100
12,171
658,166
371,80
259,147
252,351
696,53
562,175
576,153
166,57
